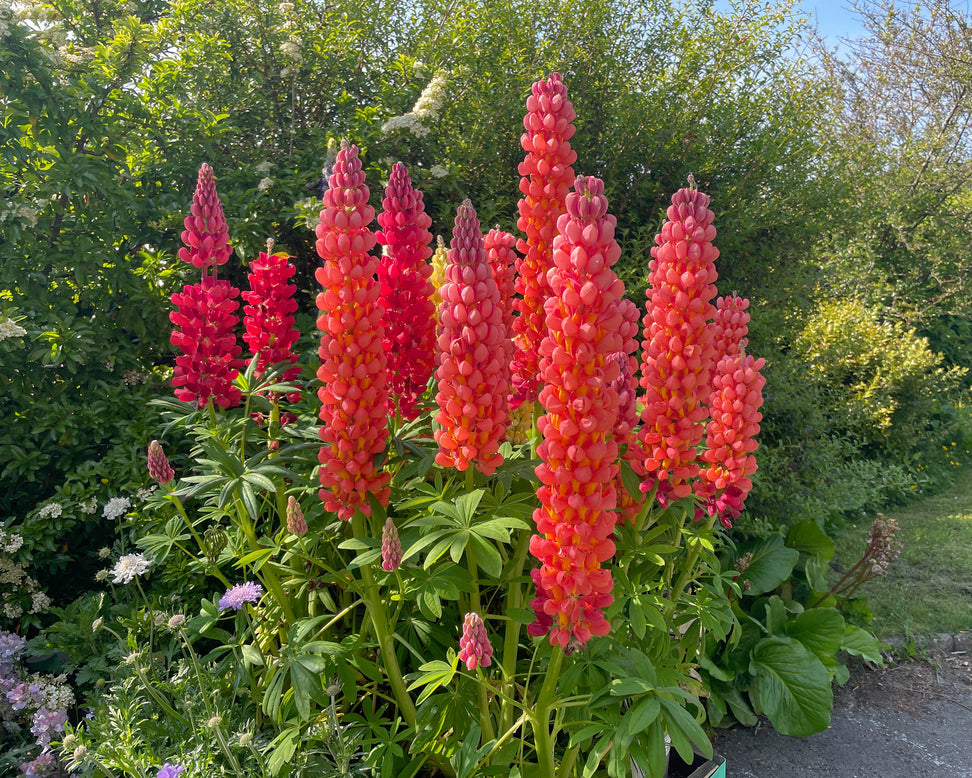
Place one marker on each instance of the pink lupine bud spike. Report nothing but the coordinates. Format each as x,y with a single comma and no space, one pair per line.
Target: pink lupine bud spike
206,235
731,325
678,355
269,315
575,521
734,404
472,386
391,546
353,372
295,518
209,363
546,178
475,650
409,321
158,464
502,260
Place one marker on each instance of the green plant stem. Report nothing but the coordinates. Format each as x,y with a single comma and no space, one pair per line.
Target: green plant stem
542,735
688,572
266,572
384,630
511,639
510,731
213,568
567,765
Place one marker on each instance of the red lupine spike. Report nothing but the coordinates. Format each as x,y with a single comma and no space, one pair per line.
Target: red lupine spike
209,362
206,235
734,404
731,325
677,348
269,320
353,369
475,650
575,520
472,385
406,292
546,178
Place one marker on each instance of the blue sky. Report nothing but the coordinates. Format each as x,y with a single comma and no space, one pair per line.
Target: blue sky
835,19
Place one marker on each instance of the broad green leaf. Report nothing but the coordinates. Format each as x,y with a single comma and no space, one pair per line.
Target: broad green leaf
807,538
792,686
642,714
771,564
821,630
860,642
629,687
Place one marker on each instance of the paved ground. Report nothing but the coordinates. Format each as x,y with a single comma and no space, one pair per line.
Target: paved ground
909,720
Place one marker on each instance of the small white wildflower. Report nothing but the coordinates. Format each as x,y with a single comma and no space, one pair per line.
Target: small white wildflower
10,329
263,168
128,567
115,507
146,492
104,552
102,575
176,621
409,121
90,506
265,184
50,511
438,171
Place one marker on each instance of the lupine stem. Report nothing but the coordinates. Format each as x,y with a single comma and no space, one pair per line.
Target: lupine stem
542,736
511,640
688,572
266,572
384,630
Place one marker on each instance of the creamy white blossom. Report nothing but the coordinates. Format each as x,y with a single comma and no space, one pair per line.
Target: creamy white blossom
90,506
115,507
438,171
129,567
263,168
265,184
430,101
10,329
50,511
291,49
408,121
39,602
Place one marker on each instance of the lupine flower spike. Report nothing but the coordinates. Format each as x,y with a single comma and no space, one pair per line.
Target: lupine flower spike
269,315
439,259
474,646
158,464
206,235
391,546
472,395
209,362
353,369
547,176
678,345
624,430
295,518
406,292
502,261
734,404
575,520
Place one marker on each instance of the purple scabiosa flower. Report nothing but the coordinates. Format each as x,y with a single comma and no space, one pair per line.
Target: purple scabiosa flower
237,596
474,646
170,771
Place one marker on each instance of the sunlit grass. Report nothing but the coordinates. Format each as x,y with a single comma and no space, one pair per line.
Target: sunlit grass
928,588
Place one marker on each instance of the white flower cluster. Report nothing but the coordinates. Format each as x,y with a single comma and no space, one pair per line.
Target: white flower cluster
430,101
265,184
263,168
426,107
116,507
437,171
50,511
6,12
129,567
135,377
25,213
81,56
10,329
144,493
90,506
55,690
14,581
291,49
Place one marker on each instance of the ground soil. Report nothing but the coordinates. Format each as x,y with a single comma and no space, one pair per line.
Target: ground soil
910,719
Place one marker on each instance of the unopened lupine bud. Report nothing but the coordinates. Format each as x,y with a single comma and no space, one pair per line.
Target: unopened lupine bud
158,464
474,646
295,517
391,546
